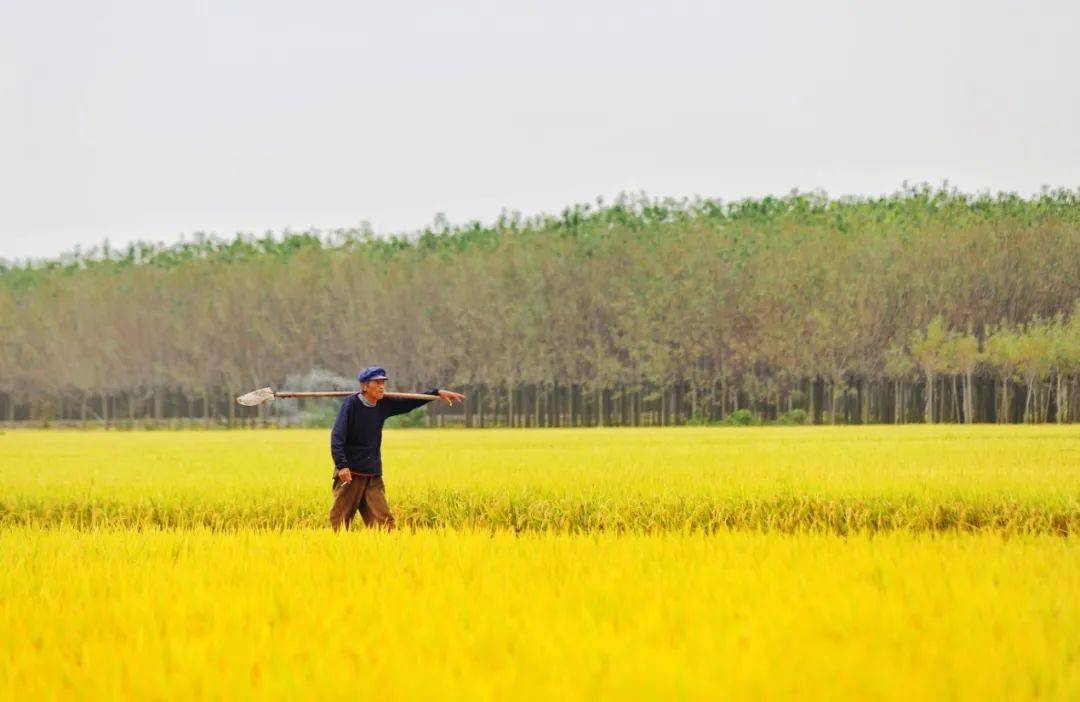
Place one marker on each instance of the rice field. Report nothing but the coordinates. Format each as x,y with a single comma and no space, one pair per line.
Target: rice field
768,563
1016,479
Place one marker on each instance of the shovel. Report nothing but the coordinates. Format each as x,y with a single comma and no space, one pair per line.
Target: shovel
257,397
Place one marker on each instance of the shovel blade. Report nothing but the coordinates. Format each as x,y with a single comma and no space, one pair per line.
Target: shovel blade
256,397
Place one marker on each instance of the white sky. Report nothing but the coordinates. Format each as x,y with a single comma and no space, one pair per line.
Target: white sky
144,120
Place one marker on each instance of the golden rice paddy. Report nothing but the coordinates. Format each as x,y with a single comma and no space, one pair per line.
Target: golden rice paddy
767,563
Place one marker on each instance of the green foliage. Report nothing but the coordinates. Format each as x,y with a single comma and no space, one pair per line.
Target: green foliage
928,346
793,417
1002,351
913,206
898,363
1034,348
742,418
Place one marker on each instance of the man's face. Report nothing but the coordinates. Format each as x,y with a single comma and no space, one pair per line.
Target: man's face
374,389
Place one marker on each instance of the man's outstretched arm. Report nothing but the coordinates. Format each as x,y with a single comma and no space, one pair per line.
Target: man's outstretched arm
397,405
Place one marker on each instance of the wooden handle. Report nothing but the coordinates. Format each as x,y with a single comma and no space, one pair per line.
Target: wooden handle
343,393
320,393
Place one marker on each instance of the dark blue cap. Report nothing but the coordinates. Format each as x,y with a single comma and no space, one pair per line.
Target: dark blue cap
372,373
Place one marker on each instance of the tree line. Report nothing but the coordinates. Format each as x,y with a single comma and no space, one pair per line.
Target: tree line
925,305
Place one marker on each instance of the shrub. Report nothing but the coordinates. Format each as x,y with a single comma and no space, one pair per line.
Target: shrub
795,416
742,418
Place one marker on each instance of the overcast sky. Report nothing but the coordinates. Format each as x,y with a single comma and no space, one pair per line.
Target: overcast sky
143,120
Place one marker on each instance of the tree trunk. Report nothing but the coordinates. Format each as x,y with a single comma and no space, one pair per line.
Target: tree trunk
955,400
969,397
928,413
1062,401
723,397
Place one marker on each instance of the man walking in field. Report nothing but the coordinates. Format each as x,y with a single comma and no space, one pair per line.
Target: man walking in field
356,447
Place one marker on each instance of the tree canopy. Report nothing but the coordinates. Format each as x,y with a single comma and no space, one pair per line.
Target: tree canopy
641,309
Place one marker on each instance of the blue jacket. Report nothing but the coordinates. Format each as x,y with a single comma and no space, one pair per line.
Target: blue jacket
356,439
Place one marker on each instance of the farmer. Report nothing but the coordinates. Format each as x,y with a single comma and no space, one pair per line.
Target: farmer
355,443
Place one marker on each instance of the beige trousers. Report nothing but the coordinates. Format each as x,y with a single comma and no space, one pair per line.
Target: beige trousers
365,493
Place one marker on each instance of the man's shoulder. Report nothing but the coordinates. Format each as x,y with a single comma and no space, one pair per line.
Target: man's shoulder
356,401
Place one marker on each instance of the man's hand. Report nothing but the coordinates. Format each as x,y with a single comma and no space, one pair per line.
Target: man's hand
449,397
345,476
